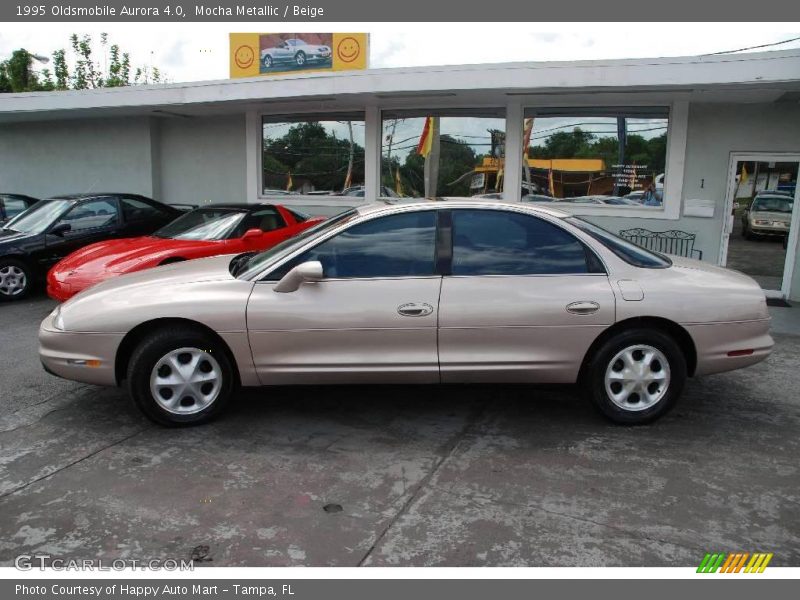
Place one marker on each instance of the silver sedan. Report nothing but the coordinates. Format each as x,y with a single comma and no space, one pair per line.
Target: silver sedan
454,291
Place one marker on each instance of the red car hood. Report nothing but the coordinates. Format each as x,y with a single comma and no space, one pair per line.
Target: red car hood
125,255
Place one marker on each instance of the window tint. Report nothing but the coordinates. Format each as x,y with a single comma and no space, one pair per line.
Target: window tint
14,206
92,214
627,251
265,219
491,242
136,210
395,246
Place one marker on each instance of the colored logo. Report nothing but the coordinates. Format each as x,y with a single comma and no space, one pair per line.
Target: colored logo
244,56
735,562
348,49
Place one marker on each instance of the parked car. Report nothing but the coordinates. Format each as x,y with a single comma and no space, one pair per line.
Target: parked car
599,200
637,196
208,231
769,214
416,292
296,52
39,237
13,204
359,191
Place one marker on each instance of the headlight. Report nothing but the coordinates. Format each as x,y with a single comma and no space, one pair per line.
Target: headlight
58,320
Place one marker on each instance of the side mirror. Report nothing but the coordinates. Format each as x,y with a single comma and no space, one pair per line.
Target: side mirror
252,234
61,229
302,273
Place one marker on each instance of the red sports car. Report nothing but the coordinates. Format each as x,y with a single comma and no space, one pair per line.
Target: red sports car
208,231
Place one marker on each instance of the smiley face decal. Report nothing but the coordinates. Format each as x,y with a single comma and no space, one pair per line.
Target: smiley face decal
348,49
244,56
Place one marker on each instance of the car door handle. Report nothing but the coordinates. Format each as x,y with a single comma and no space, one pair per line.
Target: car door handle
583,308
414,309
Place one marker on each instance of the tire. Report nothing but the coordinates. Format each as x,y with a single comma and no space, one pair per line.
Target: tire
267,60
16,279
300,59
155,362
637,405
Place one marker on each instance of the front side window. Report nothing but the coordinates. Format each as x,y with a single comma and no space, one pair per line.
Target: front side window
401,245
492,242
93,214
203,224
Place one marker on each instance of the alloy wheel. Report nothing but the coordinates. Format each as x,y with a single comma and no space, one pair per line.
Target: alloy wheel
186,381
637,377
13,281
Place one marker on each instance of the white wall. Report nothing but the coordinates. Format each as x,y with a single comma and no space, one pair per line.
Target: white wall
48,158
201,160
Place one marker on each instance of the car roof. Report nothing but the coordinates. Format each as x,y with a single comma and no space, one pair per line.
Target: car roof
455,202
86,196
238,205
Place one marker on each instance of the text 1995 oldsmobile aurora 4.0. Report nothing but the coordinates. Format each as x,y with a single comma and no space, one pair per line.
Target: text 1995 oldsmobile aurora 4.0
416,292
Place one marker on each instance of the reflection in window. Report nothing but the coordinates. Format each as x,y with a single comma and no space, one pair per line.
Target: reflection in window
602,158
490,242
314,157
442,154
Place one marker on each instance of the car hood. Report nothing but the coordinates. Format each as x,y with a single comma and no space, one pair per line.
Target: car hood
119,256
768,215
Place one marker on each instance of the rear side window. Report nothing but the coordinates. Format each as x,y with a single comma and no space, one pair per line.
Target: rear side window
299,217
627,251
493,242
401,245
137,210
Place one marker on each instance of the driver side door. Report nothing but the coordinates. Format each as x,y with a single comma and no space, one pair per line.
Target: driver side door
372,318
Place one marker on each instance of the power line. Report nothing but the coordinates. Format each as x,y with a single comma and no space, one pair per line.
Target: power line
752,47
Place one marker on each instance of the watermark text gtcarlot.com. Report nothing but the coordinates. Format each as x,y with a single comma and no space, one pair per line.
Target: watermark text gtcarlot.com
29,562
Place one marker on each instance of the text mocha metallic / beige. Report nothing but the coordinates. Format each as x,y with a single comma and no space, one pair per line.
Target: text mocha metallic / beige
416,292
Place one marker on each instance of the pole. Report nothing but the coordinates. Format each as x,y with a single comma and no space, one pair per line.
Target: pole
432,161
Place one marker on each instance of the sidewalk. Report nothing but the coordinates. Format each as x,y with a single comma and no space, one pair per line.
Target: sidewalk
786,320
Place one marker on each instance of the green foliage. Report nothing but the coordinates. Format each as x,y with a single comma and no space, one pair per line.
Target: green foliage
456,158
309,152
17,73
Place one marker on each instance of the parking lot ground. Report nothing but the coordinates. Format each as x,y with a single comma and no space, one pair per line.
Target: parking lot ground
446,476
763,258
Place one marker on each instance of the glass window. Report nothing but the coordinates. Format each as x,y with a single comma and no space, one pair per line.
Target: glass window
456,153
13,206
598,157
320,157
265,219
493,242
400,245
203,224
299,216
627,251
40,216
92,215
137,210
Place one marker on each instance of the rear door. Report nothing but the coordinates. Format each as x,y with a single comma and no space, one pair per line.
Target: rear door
524,301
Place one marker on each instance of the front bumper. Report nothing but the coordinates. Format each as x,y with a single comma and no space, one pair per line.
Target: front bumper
84,357
715,341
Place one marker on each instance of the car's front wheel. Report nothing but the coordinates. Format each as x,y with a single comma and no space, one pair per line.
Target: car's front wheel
300,59
15,279
636,376
180,376
267,60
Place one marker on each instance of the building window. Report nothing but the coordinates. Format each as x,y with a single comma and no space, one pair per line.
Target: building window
313,156
442,153
596,157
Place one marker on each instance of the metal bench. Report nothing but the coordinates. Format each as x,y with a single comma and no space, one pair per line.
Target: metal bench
679,243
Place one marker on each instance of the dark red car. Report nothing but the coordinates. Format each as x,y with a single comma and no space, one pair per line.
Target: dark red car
208,231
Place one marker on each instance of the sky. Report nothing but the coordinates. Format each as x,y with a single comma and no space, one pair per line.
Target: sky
199,51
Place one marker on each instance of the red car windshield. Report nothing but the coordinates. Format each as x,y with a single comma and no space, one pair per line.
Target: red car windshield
203,224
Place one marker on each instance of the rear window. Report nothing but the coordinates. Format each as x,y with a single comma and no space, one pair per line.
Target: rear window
627,251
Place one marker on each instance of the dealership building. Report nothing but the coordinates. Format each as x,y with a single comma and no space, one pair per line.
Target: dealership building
705,136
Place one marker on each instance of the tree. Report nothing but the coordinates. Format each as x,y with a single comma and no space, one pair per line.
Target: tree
17,73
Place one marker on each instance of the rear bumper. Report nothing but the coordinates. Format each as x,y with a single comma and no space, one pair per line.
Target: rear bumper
749,341
84,357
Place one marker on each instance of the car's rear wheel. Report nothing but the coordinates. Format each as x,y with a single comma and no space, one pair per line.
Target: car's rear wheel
15,279
636,376
180,376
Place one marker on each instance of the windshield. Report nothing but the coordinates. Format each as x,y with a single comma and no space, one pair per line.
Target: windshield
39,217
773,204
258,262
627,251
202,224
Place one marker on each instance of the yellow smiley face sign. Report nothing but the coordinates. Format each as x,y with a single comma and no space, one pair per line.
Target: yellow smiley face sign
254,54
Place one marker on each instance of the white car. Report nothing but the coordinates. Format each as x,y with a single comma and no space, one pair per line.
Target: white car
295,52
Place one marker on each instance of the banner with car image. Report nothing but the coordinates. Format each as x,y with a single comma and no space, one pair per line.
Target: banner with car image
253,54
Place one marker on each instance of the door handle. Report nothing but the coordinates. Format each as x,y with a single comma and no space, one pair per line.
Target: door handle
585,307
414,309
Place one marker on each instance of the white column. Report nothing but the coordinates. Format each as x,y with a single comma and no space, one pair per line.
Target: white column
253,141
372,153
512,171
